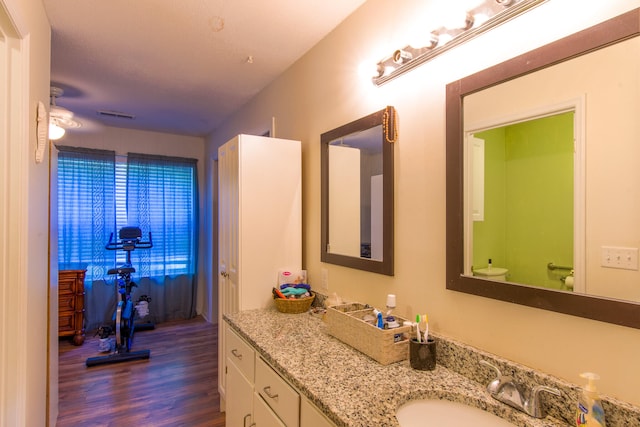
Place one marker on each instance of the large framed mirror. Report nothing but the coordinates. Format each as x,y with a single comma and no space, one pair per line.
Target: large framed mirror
357,193
560,235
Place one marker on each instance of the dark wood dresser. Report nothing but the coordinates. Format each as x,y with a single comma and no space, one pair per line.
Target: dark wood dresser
71,301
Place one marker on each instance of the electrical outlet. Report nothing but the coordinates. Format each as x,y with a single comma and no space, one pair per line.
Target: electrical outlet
624,258
324,285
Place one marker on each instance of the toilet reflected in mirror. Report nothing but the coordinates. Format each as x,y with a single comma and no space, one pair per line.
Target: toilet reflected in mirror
492,273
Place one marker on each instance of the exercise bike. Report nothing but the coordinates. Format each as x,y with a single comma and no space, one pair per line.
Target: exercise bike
126,311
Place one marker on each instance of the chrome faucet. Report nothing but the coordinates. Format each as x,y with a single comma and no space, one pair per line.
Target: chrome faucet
506,390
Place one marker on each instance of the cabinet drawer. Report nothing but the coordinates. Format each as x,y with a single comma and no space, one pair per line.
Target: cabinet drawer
263,415
278,394
241,353
66,285
310,416
66,322
66,302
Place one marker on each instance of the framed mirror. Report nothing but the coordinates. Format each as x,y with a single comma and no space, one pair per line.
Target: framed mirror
587,221
357,193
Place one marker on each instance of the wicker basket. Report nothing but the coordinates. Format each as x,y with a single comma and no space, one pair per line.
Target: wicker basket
382,345
294,306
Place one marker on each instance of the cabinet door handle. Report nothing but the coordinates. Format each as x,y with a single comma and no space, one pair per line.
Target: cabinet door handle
224,274
236,354
267,391
244,422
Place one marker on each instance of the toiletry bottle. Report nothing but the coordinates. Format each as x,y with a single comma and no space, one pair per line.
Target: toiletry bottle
489,264
379,322
589,411
391,303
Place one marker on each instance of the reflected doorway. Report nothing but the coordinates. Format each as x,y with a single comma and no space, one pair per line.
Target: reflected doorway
521,207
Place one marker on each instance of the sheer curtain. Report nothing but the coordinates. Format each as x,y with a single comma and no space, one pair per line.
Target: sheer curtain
86,218
162,199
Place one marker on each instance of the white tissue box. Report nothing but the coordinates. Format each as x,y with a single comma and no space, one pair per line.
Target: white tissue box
291,276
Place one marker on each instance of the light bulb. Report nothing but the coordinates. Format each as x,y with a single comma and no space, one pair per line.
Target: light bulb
420,40
456,17
479,19
444,38
401,56
55,131
367,69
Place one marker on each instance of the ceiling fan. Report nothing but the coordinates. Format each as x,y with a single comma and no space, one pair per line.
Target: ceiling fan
60,118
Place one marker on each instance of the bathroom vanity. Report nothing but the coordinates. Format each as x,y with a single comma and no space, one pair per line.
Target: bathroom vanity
337,385
256,393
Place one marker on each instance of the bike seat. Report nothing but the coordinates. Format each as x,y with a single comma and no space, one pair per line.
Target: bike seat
121,270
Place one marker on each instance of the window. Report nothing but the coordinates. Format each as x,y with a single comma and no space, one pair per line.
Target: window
100,192
162,199
86,209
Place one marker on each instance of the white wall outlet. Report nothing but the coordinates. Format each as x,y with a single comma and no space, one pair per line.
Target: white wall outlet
624,258
324,285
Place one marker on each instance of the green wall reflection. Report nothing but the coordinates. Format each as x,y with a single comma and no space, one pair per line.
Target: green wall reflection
528,200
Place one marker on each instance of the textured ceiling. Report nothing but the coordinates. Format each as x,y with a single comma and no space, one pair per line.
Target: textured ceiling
178,66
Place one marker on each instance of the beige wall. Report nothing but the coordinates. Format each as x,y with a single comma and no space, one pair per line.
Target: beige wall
323,90
24,279
123,141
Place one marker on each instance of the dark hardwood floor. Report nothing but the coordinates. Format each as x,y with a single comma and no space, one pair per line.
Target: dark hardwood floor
177,386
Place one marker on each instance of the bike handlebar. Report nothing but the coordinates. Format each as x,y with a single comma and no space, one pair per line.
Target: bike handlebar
129,243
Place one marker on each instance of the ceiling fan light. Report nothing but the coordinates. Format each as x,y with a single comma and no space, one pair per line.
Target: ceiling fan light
59,117
60,112
55,131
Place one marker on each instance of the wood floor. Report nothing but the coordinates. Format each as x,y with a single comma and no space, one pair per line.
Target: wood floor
177,386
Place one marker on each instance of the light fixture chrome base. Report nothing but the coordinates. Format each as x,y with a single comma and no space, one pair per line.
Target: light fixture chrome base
408,58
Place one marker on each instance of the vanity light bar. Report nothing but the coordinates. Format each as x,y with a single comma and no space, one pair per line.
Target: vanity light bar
409,57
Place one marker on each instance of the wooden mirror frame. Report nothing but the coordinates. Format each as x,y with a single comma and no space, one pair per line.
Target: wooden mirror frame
625,313
386,118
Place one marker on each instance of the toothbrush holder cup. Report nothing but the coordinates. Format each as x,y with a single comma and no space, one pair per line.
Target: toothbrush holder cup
422,355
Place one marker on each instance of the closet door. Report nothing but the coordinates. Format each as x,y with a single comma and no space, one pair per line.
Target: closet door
270,209
259,224
228,196
228,204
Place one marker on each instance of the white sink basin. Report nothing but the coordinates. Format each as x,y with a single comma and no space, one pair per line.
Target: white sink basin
444,413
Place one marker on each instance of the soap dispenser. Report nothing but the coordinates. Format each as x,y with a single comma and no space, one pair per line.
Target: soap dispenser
589,411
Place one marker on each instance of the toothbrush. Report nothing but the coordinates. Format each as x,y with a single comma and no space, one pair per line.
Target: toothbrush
426,328
418,338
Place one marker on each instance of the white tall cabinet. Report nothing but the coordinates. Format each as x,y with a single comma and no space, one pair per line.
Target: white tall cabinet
259,225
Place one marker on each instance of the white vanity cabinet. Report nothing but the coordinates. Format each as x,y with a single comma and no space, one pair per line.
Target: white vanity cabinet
310,416
239,398
257,396
239,373
263,415
259,225
278,394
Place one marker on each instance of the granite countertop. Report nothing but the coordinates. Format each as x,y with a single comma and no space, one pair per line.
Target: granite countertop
348,386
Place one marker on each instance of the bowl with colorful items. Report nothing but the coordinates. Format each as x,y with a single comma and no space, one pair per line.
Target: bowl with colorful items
293,294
